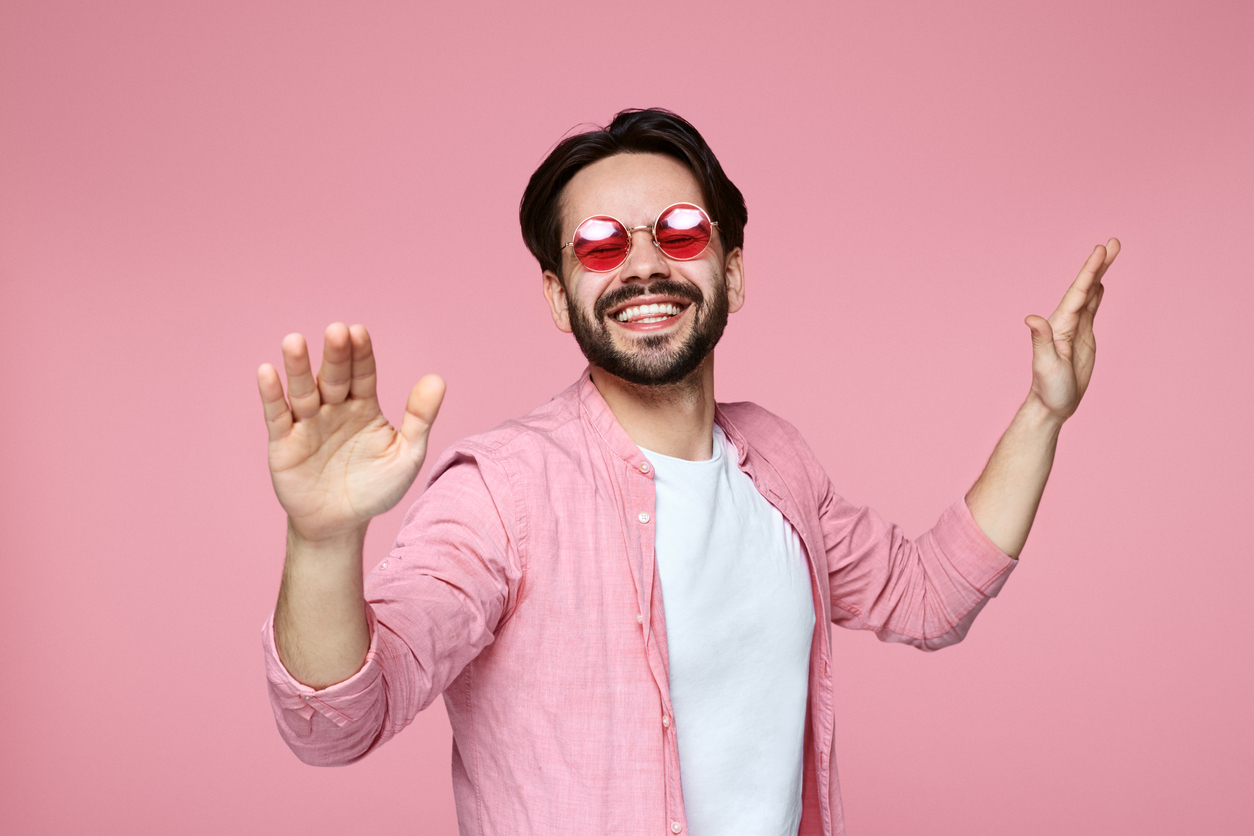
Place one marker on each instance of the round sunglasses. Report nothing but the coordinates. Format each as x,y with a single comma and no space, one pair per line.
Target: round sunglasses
682,232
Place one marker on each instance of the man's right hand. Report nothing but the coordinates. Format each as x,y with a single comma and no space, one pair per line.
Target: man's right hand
335,460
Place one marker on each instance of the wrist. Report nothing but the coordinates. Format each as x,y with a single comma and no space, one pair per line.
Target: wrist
1035,415
332,542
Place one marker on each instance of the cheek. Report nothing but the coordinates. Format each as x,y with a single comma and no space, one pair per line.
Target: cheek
705,277
590,289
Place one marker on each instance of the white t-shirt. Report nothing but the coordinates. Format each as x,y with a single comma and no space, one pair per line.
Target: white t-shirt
739,619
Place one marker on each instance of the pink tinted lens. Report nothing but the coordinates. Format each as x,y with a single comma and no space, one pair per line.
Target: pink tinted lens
683,231
601,243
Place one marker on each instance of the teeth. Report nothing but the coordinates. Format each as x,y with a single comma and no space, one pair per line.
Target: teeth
647,313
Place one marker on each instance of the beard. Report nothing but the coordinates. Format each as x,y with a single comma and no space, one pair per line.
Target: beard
653,361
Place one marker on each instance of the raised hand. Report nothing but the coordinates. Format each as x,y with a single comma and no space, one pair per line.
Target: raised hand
335,460
1063,346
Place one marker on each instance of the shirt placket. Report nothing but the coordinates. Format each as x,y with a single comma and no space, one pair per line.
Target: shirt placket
822,711
641,497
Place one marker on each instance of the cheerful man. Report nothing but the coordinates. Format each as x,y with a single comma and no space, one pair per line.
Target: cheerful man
624,596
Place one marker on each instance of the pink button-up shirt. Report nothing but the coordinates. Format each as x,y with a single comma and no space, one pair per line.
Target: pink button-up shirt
523,587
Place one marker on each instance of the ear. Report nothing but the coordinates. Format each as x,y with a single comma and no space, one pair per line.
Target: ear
734,275
555,293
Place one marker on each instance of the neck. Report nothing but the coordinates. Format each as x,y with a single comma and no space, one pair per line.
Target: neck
675,420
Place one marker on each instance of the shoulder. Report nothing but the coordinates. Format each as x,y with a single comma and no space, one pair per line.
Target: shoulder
760,426
774,439
750,414
493,478
514,444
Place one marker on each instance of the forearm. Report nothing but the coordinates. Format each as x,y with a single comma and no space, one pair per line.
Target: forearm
1004,499
320,626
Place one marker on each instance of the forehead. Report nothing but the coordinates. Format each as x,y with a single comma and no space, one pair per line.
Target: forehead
632,187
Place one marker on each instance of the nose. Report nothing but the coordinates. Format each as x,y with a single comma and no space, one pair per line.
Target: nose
644,260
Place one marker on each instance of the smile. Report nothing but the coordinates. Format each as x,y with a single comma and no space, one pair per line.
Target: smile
648,313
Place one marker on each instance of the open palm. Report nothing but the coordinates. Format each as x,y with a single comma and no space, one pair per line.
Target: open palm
334,459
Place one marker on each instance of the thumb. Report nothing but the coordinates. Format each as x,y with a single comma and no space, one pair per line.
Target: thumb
421,408
1042,337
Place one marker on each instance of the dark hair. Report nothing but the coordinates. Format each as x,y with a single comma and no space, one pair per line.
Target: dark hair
633,131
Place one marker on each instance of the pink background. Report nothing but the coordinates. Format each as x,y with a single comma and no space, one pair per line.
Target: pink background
183,184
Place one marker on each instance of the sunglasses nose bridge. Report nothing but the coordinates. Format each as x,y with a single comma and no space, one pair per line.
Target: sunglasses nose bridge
631,237
632,230
651,230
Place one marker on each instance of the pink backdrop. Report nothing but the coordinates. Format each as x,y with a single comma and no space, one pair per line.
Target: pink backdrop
182,184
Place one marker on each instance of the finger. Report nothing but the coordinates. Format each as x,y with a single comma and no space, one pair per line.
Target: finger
1112,250
1077,296
1085,343
364,379
1084,346
1096,301
301,390
421,408
278,416
1084,340
336,372
1042,338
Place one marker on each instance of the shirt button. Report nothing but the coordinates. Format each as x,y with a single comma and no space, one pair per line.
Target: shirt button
639,618
306,696
384,564
676,827
666,721
644,518
644,467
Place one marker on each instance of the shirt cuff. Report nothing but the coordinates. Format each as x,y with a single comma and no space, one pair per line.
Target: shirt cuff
340,703
969,550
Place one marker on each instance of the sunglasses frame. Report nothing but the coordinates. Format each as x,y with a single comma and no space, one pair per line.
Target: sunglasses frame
631,236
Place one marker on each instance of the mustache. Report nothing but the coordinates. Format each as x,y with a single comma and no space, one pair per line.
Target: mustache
662,287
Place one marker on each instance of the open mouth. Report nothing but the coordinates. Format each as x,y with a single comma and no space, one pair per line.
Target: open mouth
648,314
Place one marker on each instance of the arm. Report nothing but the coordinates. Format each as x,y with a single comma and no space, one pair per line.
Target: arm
335,463
1004,499
928,591
431,606
924,592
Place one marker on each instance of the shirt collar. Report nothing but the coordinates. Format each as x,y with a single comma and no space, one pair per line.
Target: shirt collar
598,413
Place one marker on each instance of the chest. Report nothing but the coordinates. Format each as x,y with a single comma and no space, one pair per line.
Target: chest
732,569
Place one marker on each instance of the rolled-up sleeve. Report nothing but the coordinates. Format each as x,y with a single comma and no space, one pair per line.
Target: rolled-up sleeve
924,592
319,724
432,605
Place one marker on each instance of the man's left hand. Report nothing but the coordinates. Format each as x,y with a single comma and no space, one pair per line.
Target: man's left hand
1063,346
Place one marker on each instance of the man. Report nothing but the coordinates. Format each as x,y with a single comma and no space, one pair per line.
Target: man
623,596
